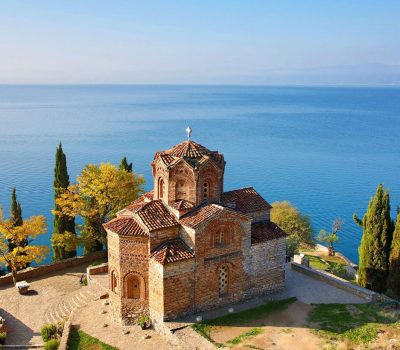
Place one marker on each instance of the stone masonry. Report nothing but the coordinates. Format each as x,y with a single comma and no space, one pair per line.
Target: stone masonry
189,246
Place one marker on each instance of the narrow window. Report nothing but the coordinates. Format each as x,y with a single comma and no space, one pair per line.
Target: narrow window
223,278
114,281
160,188
133,287
206,190
219,238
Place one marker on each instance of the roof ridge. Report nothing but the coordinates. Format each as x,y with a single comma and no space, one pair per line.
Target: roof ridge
242,188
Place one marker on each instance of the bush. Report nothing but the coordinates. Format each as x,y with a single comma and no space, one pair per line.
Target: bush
49,331
95,263
143,320
340,271
52,344
3,336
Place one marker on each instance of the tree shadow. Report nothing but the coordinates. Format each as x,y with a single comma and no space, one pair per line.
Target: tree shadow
17,332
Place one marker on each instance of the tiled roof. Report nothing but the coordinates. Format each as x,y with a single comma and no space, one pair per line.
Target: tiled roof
139,202
264,231
183,205
172,251
200,214
125,226
246,200
188,149
192,152
155,215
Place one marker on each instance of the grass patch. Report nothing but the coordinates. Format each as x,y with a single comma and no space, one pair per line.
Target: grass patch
79,340
241,318
359,324
316,262
250,334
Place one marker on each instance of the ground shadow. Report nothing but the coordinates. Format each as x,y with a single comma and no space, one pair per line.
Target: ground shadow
31,292
18,333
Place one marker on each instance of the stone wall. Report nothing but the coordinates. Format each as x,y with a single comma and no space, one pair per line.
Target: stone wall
336,281
41,270
265,265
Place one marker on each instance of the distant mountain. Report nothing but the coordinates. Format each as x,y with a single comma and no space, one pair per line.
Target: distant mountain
362,74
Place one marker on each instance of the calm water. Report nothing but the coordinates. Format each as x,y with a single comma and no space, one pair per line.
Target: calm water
323,149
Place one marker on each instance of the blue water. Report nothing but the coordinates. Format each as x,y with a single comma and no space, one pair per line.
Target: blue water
323,149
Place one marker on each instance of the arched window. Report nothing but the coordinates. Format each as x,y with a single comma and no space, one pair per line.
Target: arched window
114,281
219,238
160,188
180,190
223,279
133,287
206,191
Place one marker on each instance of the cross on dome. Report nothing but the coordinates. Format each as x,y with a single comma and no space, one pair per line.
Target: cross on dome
188,132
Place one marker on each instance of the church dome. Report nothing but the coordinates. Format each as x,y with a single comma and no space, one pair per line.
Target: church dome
188,149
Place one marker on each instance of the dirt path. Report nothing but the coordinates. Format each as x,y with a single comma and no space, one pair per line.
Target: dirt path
282,330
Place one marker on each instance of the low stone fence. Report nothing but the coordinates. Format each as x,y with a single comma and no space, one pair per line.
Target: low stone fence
96,270
336,282
66,332
37,271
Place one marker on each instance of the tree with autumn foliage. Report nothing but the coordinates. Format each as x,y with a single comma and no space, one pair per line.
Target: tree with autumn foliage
22,253
100,192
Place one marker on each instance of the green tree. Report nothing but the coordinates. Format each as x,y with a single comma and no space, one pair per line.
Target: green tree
394,260
124,165
62,225
289,219
331,237
16,211
375,243
16,219
292,245
101,191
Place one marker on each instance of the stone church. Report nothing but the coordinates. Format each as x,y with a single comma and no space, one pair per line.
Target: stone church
188,245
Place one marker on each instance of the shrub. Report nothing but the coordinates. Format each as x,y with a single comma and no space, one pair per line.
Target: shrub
52,344
49,331
340,271
95,263
3,336
143,320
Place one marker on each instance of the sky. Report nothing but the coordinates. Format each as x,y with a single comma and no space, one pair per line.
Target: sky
349,42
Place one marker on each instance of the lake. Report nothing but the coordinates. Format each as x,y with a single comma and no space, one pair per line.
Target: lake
325,149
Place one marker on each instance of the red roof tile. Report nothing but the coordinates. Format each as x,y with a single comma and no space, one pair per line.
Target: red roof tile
191,151
264,231
197,216
182,205
188,149
246,200
156,216
139,202
172,251
125,226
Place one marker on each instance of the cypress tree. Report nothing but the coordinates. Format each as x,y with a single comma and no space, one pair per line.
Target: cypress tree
394,261
125,166
61,224
16,211
375,243
16,219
